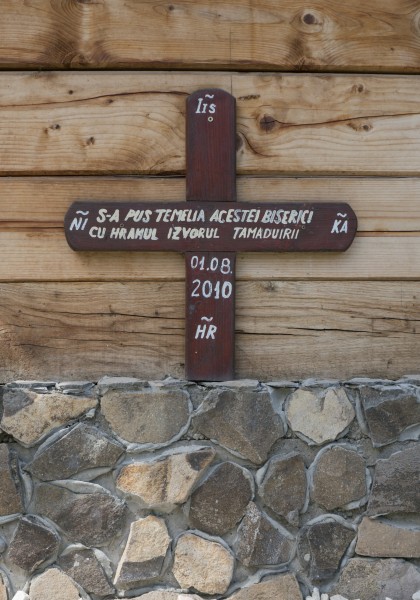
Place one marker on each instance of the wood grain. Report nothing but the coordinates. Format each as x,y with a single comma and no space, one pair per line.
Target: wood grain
381,204
33,245
284,329
44,256
378,35
134,123
72,316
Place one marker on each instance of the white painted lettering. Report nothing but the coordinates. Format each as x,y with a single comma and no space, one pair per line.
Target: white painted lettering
115,217
200,332
211,332
304,217
285,219
159,212
132,214
101,218
138,215
334,229
293,216
97,232
78,223
267,216
204,331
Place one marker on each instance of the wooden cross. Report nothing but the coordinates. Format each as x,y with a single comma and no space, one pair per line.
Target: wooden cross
209,231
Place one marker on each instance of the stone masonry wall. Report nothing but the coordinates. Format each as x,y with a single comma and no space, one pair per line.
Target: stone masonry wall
170,490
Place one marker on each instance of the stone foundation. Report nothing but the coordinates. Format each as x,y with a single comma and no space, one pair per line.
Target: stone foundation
171,490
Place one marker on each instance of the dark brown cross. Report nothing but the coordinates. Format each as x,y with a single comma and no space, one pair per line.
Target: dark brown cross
209,231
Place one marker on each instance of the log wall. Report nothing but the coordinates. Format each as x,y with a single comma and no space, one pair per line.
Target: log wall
92,106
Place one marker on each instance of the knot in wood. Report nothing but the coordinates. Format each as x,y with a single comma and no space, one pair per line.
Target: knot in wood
267,123
360,125
309,19
358,88
77,60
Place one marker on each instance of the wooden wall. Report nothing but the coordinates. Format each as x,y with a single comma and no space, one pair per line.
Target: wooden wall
92,106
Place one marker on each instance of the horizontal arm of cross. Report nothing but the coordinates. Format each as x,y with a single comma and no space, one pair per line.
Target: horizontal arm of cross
210,226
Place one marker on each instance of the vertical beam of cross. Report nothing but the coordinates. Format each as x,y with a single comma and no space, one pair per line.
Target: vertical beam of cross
210,276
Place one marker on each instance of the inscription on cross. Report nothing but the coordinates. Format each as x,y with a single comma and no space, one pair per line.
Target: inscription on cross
209,230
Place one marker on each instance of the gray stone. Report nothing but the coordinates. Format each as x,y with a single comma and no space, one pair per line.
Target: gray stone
33,543
3,544
83,565
148,417
75,387
283,384
359,381
166,595
381,539
338,478
388,412
29,416
91,516
10,490
322,544
202,564
284,486
121,383
251,384
53,583
411,379
261,541
42,387
168,480
314,382
396,484
369,579
282,587
221,500
319,417
144,554
78,449
243,421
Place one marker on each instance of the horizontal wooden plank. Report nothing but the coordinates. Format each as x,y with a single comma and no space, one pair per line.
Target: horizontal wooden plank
134,123
43,255
283,329
381,204
373,35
